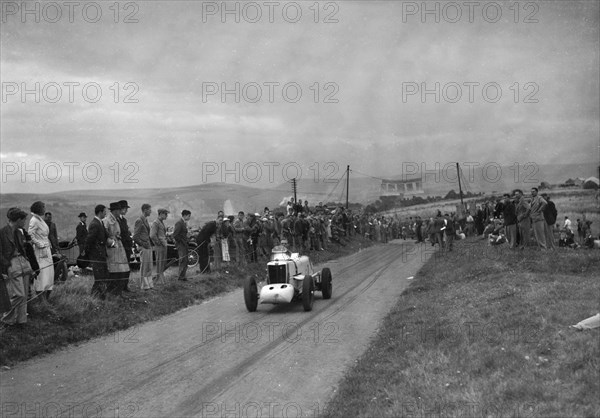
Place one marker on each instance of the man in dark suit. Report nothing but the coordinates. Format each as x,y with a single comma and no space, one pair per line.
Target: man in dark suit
95,251
126,239
181,242
203,241
81,232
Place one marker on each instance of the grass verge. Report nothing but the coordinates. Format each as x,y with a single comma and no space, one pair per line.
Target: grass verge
484,331
71,315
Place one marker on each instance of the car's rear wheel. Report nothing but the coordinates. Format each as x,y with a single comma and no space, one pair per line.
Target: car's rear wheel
326,286
193,259
251,294
308,293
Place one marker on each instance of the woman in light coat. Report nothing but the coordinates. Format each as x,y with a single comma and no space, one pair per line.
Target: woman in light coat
38,229
118,263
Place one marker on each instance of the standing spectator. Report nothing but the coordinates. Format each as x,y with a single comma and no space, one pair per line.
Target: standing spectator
418,229
117,261
38,229
52,232
226,233
290,207
240,240
58,260
450,231
127,241
180,235
470,224
538,222
203,241
217,241
580,232
16,267
523,220
95,251
141,236
81,232
509,214
439,225
550,215
158,235
253,231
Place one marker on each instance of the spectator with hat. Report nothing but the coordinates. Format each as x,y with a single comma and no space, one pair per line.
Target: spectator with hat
16,267
141,236
81,232
126,239
158,235
117,261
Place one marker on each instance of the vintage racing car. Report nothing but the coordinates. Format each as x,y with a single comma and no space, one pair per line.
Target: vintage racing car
290,276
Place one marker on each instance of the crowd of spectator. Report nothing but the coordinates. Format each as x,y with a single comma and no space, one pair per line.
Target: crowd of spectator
31,258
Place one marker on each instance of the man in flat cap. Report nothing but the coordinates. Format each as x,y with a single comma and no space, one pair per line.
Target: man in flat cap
158,235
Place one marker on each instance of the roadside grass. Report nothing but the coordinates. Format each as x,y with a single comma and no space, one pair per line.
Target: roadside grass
72,315
484,331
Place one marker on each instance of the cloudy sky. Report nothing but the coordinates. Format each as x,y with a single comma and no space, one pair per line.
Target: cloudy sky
93,97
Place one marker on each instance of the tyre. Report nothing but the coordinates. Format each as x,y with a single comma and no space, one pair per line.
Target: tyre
308,292
326,286
251,294
193,259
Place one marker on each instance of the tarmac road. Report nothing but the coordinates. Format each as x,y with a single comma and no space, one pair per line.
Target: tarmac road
216,359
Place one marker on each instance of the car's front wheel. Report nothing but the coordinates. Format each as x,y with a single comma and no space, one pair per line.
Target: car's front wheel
308,293
251,294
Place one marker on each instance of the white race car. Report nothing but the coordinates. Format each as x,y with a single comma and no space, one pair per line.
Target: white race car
290,277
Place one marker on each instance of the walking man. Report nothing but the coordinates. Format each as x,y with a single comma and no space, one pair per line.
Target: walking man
180,235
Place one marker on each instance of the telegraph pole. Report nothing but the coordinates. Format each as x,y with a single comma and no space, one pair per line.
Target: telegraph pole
294,190
347,184
459,186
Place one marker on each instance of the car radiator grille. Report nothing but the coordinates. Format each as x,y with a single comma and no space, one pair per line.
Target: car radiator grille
277,274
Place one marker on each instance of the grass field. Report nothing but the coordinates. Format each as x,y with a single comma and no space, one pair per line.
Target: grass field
72,315
485,331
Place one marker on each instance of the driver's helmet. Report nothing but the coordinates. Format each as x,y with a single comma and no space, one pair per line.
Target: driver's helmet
280,252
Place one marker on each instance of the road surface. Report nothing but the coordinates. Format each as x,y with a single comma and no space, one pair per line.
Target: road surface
218,360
